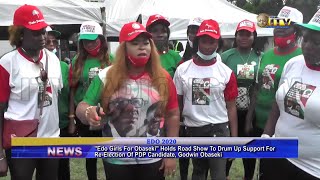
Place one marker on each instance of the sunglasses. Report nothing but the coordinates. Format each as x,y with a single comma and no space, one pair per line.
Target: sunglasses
43,73
136,102
49,41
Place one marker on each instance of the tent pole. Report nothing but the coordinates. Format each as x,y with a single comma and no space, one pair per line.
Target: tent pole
104,18
104,26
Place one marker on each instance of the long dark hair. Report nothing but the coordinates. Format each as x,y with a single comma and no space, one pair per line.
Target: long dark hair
82,55
256,48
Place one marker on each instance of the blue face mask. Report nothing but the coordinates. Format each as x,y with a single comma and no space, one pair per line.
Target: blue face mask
207,57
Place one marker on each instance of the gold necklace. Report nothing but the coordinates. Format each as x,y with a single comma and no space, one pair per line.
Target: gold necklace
245,62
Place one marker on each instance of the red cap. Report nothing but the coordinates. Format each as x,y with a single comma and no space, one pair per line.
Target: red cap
131,30
209,27
157,18
246,25
29,17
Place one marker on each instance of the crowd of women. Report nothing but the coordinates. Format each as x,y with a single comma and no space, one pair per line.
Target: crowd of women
146,89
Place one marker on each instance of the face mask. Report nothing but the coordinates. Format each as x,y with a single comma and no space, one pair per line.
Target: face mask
95,51
190,43
138,61
283,42
207,57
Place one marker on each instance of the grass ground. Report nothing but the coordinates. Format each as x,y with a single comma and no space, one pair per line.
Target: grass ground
78,171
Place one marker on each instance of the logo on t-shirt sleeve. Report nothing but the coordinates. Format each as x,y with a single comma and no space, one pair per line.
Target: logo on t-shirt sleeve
296,98
200,91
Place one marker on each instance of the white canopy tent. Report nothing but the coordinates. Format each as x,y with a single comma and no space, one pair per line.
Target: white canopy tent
55,11
178,12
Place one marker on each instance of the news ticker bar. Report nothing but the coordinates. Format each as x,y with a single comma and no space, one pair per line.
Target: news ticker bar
29,141
155,147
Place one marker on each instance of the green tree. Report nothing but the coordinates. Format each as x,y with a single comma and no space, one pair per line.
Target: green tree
307,7
249,7
271,7
241,3
255,3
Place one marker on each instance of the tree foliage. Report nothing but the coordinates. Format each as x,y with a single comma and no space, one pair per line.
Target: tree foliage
272,7
249,7
241,3
307,7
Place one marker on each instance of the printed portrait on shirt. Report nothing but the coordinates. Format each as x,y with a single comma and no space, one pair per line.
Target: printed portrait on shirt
48,93
153,120
200,91
134,112
92,73
124,115
297,97
268,76
245,71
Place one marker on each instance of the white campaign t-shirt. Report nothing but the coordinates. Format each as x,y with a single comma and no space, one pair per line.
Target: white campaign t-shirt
298,98
21,87
205,90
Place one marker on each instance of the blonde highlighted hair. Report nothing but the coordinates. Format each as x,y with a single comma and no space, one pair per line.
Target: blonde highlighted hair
15,35
118,74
